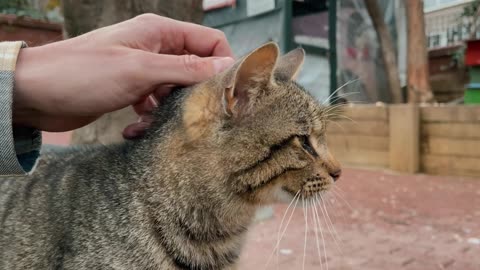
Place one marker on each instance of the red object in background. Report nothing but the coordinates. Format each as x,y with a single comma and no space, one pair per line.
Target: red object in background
33,32
472,54
354,53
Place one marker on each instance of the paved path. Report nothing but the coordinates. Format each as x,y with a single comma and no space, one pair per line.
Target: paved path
393,222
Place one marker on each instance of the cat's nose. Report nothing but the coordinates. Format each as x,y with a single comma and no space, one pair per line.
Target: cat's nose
336,174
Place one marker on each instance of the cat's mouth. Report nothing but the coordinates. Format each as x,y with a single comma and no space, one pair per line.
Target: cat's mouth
309,189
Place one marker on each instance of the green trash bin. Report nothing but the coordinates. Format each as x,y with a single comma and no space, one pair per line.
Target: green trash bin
474,74
472,93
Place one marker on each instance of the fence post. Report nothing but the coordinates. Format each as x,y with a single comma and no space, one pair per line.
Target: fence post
404,123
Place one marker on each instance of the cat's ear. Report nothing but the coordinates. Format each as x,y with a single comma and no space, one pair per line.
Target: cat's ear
249,78
289,65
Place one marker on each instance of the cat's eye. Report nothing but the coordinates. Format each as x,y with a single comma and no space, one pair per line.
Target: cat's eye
305,142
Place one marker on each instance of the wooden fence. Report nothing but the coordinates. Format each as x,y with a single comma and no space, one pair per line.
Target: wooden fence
407,138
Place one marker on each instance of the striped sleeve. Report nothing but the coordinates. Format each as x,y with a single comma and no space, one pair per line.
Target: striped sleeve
19,146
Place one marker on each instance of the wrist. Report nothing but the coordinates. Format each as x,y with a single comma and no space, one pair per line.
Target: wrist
23,90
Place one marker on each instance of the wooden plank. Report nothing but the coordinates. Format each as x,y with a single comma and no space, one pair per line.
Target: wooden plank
404,138
464,113
451,130
365,112
346,127
450,165
364,157
349,142
452,147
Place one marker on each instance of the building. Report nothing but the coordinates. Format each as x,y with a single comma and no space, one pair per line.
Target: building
358,61
444,23
251,23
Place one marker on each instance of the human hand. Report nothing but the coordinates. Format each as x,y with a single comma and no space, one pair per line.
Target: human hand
68,84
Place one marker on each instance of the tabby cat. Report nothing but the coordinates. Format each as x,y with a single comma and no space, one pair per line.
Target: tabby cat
184,195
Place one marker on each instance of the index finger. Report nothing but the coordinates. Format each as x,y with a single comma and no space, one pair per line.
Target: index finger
205,41
196,39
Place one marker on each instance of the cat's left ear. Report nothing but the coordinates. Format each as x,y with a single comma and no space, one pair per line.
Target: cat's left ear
289,65
249,79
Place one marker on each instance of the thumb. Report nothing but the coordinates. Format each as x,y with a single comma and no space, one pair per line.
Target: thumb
186,69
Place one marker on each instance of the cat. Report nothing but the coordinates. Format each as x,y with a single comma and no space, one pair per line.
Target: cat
184,195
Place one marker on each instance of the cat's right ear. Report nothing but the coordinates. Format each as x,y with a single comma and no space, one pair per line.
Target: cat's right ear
248,79
289,65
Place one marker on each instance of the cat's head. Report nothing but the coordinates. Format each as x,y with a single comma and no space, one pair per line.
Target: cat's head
259,129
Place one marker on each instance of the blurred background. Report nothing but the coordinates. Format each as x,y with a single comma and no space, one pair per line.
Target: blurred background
408,76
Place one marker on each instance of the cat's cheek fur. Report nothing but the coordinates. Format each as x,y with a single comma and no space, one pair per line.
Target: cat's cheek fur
283,196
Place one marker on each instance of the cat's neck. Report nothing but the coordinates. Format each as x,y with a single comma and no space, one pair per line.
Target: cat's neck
189,207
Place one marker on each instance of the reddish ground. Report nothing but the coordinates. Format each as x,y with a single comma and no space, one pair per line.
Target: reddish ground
385,221
393,222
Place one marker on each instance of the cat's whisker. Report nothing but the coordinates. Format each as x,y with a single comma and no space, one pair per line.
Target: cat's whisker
332,108
305,214
286,211
340,126
323,240
333,201
281,224
339,195
340,95
283,232
338,89
316,227
332,229
339,189
328,226
344,95
343,116
330,200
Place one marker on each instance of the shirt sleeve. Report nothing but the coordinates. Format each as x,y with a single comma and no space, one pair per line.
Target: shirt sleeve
19,146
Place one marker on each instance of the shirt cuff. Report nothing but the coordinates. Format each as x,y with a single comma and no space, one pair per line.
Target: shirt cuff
19,146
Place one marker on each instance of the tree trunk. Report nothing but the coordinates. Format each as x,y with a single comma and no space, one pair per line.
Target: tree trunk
82,16
388,50
418,82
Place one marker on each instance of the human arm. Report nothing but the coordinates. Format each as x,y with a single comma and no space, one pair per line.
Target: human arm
68,84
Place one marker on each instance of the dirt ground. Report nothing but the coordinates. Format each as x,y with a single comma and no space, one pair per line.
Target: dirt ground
384,221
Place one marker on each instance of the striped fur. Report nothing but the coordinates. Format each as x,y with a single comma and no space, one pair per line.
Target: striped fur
182,197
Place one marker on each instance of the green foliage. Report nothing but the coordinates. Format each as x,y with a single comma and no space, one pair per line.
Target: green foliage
471,10
20,8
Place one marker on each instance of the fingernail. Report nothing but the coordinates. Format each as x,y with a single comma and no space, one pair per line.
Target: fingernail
153,100
220,64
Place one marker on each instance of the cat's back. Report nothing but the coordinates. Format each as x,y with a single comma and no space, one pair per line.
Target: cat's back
35,209
54,165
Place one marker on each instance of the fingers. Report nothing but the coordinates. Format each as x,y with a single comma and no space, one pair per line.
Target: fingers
146,105
180,69
139,128
179,36
135,130
204,41
162,92
144,109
